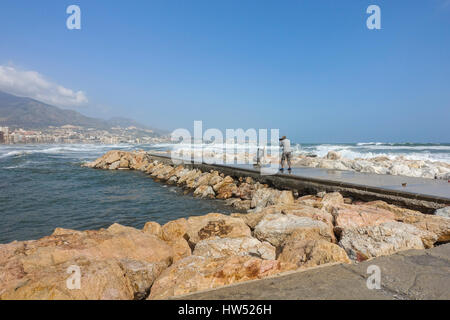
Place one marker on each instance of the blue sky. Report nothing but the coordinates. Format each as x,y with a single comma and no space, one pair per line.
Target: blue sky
310,68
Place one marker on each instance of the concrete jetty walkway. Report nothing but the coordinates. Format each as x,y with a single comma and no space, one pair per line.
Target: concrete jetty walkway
425,195
412,274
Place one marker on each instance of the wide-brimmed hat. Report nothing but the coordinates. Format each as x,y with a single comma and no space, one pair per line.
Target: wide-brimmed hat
282,138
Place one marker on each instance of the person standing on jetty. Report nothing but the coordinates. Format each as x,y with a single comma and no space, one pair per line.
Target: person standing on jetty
286,152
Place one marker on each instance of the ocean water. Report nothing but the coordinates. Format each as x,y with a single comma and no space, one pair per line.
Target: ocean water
44,186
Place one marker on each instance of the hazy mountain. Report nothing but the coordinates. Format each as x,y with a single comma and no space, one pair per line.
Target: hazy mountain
28,113
125,123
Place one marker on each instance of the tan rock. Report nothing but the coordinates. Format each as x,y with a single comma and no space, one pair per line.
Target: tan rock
311,253
180,247
246,191
239,204
352,216
245,246
285,197
363,243
251,219
114,166
276,228
196,273
100,280
226,191
435,224
153,228
124,163
215,224
37,269
204,191
141,275
175,229
310,200
332,200
225,181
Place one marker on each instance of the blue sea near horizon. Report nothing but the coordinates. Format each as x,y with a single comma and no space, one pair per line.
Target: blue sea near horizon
44,186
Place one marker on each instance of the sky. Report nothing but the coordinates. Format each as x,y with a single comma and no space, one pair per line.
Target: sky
309,68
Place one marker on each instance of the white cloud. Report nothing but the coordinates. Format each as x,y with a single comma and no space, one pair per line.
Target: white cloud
34,85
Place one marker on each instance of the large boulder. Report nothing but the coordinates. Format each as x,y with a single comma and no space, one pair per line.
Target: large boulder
153,228
174,229
251,218
245,246
367,242
301,210
197,273
428,222
227,191
311,253
215,225
332,200
276,228
204,191
112,263
241,205
352,216
246,191
264,197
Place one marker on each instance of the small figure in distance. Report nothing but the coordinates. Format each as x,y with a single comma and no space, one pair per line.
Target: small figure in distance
286,153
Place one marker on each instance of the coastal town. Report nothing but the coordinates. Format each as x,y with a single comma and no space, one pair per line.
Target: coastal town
77,134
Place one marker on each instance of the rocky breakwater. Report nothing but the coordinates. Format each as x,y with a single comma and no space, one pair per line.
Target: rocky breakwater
379,165
278,233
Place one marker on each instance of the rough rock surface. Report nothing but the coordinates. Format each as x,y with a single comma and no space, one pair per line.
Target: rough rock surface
443,212
222,247
384,239
107,259
215,225
311,253
275,228
197,273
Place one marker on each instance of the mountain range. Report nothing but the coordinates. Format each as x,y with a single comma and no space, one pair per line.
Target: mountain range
27,113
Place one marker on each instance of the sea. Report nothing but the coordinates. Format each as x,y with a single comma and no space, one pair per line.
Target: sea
43,187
